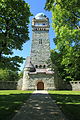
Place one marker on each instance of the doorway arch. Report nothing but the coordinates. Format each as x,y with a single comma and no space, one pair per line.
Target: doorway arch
40,86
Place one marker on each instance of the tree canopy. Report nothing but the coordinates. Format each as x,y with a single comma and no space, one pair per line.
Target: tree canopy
8,75
14,20
66,24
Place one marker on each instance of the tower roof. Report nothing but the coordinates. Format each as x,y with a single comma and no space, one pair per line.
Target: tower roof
40,16
28,63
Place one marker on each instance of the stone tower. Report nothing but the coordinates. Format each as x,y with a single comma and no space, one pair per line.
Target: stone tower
40,50
37,75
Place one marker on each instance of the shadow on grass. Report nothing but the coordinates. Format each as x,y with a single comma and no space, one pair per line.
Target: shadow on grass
10,104
39,107
69,104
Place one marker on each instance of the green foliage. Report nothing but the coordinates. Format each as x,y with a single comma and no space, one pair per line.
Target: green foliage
14,20
56,59
4,74
11,62
66,23
8,75
20,74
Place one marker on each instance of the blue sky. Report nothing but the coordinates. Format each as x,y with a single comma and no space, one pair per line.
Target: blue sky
36,6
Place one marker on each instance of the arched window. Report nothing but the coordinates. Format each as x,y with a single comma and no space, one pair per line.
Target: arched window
36,66
40,66
44,66
40,41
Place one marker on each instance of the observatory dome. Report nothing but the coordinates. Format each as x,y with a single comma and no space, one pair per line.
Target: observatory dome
40,16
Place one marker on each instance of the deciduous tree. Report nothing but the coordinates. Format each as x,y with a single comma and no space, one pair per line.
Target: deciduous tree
66,24
8,75
14,20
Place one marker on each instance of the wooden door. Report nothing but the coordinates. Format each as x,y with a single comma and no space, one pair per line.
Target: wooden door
40,86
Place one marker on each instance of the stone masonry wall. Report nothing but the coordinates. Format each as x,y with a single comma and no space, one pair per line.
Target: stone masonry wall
40,53
47,79
8,85
75,85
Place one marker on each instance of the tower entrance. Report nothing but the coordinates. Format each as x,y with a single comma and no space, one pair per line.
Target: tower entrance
40,86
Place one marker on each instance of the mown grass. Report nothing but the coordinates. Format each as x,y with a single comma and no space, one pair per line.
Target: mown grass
11,101
68,102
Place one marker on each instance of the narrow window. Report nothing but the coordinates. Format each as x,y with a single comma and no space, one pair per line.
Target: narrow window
40,66
40,41
44,66
36,66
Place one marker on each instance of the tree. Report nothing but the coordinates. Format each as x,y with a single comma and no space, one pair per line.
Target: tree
56,59
20,74
66,23
8,75
14,20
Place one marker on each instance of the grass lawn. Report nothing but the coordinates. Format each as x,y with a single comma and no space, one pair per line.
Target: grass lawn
68,102
11,101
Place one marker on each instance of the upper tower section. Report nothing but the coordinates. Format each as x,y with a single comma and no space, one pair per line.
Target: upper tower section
40,48
40,22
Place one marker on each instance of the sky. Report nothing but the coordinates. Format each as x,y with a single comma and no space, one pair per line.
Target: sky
36,6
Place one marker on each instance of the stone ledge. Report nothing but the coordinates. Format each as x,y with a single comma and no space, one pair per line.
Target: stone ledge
41,72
